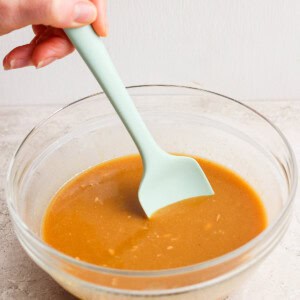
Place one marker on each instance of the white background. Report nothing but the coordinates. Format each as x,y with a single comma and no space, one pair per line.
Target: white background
245,49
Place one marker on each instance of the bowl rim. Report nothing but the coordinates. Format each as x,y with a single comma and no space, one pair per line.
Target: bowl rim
152,273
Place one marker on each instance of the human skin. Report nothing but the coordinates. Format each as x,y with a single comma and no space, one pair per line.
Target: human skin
47,17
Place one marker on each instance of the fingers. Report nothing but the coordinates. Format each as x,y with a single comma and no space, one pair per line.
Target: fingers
19,57
51,49
49,45
38,29
57,13
100,24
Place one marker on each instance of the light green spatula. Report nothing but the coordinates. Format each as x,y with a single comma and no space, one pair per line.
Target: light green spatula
167,179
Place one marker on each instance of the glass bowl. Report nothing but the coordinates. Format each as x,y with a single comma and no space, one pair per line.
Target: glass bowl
182,120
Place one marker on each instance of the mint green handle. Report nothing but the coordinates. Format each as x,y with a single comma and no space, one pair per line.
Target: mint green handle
167,178
94,53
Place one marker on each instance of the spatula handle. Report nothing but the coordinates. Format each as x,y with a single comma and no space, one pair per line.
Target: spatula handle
94,53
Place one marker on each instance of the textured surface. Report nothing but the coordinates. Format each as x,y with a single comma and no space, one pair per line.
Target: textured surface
278,278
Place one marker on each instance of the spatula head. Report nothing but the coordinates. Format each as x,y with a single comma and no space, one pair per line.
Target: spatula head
172,179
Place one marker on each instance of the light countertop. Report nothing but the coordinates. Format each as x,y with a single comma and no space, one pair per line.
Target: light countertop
277,279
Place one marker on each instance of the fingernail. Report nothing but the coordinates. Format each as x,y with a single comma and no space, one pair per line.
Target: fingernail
104,32
103,18
45,62
105,29
6,65
84,12
16,64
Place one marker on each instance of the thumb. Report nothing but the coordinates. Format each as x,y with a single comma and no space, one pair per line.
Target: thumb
56,13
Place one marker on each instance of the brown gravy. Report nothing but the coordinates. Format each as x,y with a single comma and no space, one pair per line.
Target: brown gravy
97,218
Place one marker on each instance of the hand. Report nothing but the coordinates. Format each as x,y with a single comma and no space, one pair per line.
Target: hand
46,17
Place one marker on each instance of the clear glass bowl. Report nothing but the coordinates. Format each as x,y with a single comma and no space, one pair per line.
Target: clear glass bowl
183,120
